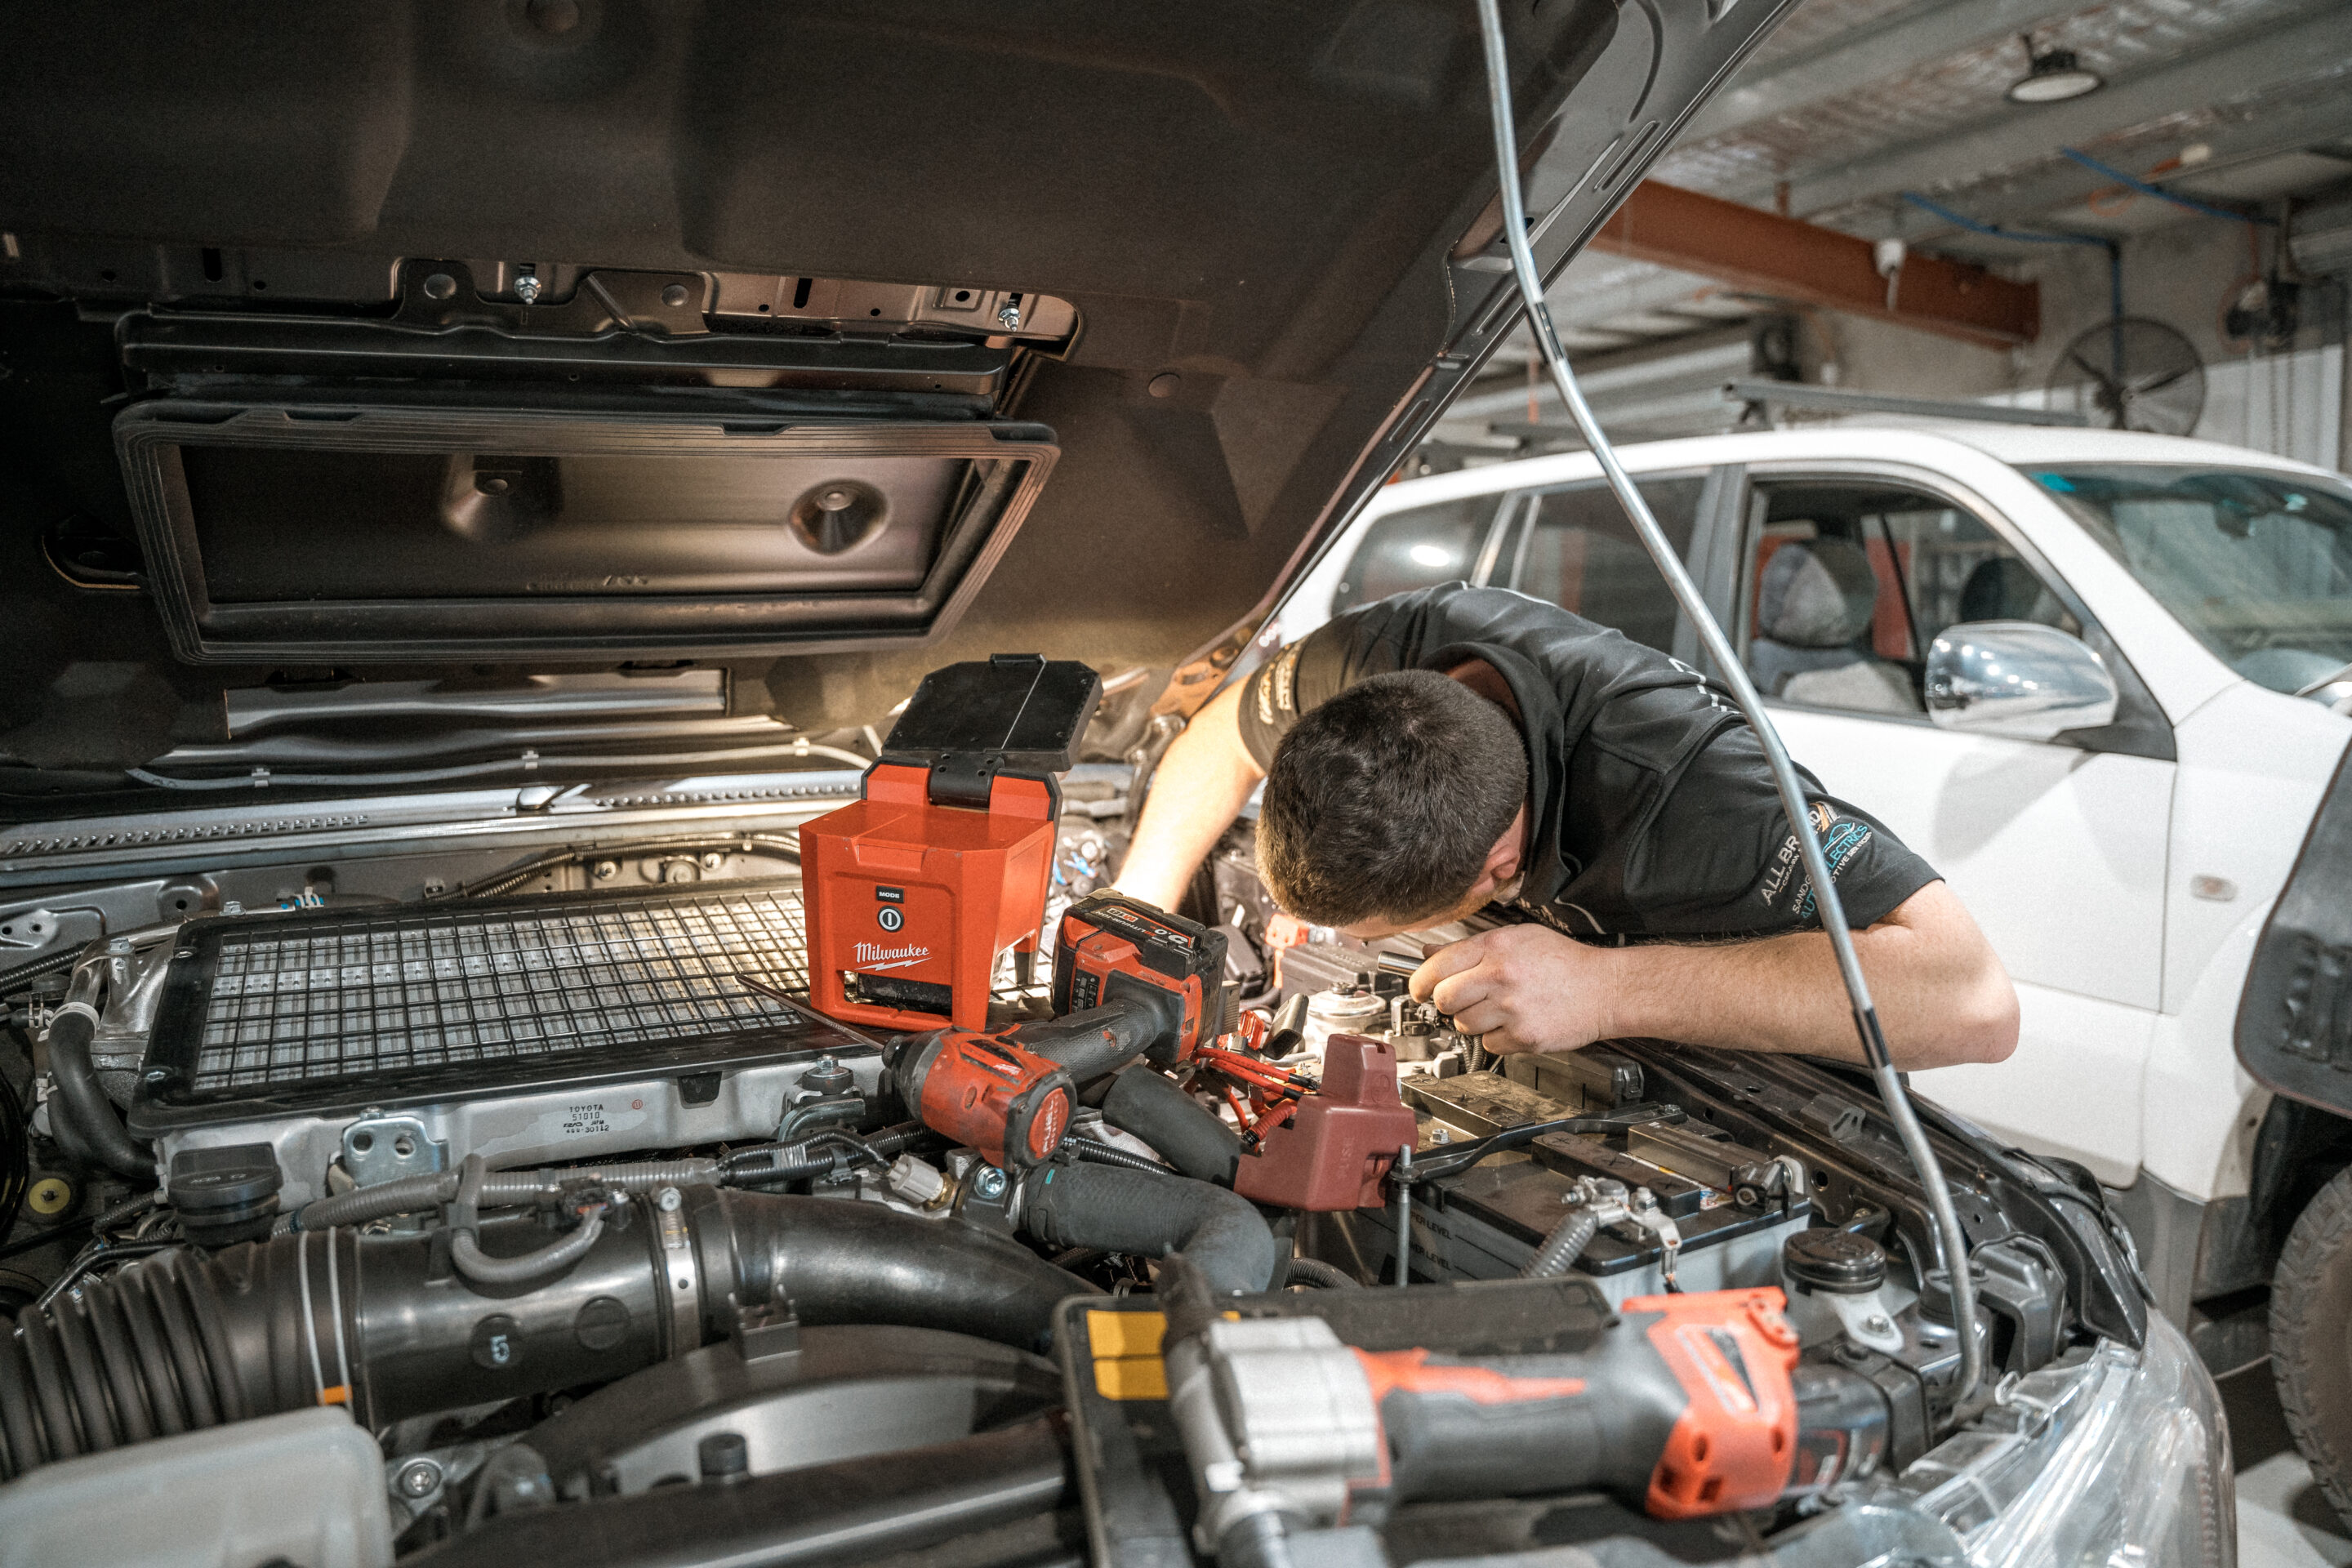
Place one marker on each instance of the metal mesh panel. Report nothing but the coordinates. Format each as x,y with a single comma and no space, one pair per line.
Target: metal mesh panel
422,990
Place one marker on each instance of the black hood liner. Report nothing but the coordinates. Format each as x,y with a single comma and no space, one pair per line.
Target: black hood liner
1258,212
2294,1019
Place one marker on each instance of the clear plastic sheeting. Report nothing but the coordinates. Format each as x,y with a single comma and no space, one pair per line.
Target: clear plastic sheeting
2115,1458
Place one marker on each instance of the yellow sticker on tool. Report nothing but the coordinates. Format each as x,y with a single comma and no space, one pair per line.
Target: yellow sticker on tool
1126,1348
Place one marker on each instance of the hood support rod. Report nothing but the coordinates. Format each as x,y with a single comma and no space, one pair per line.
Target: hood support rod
1953,1241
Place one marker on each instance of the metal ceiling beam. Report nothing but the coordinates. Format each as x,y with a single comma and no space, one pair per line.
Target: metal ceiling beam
2015,135
2284,126
1911,38
1765,253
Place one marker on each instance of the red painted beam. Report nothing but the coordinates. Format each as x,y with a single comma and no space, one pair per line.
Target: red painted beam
1763,253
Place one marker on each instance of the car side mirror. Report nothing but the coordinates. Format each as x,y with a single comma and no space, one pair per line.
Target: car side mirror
2018,679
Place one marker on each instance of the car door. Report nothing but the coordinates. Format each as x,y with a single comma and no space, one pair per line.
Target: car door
1842,581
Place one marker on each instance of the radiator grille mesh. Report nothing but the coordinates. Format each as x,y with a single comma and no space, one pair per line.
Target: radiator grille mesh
418,990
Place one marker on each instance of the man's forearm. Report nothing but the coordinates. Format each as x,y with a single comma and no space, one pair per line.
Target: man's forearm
1942,996
1201,784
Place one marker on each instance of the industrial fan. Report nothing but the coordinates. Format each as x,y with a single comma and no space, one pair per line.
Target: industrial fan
2131,374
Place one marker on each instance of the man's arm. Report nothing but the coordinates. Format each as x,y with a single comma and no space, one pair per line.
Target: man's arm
1942,994
1203,781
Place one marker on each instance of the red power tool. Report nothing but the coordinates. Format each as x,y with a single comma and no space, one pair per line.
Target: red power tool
915,892
1143,983
1682,1405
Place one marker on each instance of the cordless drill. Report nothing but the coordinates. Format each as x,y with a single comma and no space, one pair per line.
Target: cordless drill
1128,981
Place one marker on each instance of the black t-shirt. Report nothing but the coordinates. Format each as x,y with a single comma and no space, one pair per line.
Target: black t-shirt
1652,806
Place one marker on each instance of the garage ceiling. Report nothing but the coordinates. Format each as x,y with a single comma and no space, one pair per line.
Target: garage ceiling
1851,103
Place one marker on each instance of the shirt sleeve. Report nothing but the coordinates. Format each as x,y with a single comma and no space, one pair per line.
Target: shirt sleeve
1309,672
1718,858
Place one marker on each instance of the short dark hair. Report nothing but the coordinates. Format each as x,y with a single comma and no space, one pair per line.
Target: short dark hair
1383,802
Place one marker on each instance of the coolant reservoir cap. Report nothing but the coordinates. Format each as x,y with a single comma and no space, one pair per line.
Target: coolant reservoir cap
1836,1262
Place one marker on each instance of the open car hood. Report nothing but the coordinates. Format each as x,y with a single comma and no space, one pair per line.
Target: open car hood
580,387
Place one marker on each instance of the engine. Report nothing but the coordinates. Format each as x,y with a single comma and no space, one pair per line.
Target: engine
499,1222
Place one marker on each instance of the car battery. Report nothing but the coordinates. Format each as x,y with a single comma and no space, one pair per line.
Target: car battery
918,890
1486,1221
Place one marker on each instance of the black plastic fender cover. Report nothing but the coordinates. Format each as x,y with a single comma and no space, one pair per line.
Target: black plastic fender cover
2294,1019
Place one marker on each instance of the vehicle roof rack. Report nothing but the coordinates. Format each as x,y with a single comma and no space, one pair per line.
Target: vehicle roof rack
1757,395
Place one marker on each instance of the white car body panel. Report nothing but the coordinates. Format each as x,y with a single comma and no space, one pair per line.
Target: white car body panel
2078,865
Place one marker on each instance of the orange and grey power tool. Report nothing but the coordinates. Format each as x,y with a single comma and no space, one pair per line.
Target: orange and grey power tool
1299,1416
1130,980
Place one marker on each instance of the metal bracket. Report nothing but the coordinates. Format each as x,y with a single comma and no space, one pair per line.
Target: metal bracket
379,1149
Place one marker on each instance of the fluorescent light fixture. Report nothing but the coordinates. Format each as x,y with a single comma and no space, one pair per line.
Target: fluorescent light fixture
2052,76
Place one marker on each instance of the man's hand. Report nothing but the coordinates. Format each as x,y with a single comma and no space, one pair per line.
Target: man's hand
1940,991
1524,987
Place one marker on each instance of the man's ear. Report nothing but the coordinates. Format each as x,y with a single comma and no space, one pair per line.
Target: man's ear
1506,858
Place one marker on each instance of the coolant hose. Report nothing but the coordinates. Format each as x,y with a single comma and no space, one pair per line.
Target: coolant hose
1562,1248
1120,1210
1149,1104
99,1130
1322,1275
188,1339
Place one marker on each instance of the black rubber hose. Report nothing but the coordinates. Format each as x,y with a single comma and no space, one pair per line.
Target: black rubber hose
889,1506
1126,1211
93,1114
1149,1104
1321,1275
846,1262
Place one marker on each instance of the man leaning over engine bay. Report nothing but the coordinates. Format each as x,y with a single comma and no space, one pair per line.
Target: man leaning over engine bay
1432,753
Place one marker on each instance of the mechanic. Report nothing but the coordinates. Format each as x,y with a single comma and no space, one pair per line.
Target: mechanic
1429,754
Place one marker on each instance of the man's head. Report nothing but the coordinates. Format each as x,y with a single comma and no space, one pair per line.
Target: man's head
1394,806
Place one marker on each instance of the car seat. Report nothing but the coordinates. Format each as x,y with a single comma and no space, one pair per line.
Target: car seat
2005,589
1814,607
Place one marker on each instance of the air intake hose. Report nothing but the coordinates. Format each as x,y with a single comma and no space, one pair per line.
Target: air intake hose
186,1339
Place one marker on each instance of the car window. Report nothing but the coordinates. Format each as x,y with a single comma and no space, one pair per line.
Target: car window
1849,582
1582,553
1417,549
2257,565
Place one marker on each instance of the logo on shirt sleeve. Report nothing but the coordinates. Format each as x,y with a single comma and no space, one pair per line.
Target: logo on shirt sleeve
1277,687
1841,840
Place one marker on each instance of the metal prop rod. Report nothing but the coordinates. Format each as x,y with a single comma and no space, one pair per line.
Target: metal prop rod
1955,1247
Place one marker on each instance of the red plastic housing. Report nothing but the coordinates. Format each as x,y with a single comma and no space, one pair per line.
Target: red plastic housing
1736,1441
1334,1153
911,904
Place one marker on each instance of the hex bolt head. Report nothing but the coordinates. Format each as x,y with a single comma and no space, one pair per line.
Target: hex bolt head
988,1183
418,1479
605,870
526,286
713,860
1009,316
668,1200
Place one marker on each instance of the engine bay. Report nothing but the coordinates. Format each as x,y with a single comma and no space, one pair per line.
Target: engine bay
531,1201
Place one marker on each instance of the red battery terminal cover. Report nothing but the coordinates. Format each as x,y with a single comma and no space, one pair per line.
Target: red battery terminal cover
1334,1152
1732,1448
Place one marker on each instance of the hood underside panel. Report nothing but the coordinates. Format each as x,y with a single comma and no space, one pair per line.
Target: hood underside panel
1208,267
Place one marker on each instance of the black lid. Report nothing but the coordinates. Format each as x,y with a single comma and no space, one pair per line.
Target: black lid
234,1176
1835,1261
1020,712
